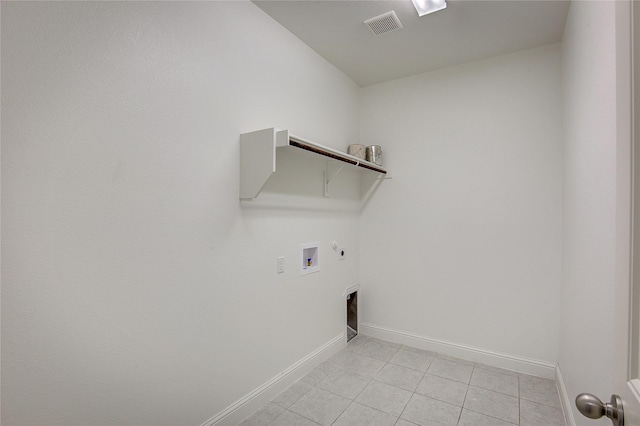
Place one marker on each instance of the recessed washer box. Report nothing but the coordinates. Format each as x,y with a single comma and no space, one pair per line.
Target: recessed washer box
309,258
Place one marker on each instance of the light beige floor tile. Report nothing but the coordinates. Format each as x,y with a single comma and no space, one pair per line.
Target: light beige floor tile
320,406
454,359
362,365
344,384
497,382
415,359
400,377
492,404
361,415
471,418
316,375
426,411
296,391
451,370
263,416
403,422
385,398
336,360
534,414
418,350
442,389
379,350
357,343
537,389
289,418
390,388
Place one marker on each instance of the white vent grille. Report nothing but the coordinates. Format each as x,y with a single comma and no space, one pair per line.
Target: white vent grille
384,23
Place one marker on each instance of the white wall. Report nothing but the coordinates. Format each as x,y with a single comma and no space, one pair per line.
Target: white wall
136,288
463,245
589,231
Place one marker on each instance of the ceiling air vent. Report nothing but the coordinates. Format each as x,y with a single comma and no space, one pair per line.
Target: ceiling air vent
384,23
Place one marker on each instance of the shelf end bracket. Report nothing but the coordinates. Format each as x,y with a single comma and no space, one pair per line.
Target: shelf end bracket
328,177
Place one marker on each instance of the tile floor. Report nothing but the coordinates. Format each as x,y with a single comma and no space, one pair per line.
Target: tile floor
376,383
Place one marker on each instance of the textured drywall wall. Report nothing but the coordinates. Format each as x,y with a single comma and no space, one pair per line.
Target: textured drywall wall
469,229
589,212
136,288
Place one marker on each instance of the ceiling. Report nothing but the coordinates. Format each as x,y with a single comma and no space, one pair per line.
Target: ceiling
466,30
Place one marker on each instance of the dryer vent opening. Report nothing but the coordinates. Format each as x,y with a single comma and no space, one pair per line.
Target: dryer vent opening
352,315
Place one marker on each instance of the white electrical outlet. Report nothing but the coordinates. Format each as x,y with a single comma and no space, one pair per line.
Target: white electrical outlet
280,264
342,253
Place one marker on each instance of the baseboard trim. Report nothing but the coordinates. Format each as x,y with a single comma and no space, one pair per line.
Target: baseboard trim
565,401
248,404
466,352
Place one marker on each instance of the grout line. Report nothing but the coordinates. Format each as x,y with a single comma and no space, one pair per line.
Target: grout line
298,414
465,395
519,402
493,417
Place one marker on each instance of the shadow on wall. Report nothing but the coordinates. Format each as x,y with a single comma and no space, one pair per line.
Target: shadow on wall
298,184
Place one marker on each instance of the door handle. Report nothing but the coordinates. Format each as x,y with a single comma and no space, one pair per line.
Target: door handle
590,406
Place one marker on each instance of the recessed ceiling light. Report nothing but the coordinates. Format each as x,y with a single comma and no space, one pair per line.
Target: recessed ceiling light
424,7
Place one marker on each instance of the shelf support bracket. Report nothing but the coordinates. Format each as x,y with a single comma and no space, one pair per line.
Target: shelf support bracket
328,178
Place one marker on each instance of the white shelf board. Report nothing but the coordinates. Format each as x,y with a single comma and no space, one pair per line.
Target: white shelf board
258,151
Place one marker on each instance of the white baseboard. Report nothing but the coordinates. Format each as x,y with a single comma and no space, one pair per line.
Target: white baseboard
247,405
469,353
565,401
